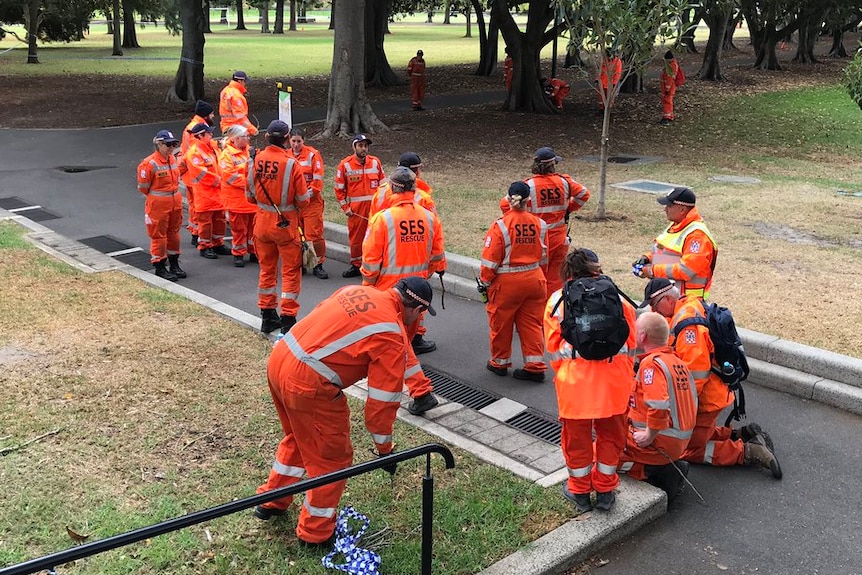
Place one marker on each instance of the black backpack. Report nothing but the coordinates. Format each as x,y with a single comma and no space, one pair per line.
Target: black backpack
593,319
728,361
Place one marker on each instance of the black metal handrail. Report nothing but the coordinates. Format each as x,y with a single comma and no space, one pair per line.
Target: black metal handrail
49,562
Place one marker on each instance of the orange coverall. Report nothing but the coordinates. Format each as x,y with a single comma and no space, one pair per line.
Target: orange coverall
158,179
558,91
416,70
709,443
552,196
233,108
664,398
202,163
273,172
691,265
512,259
356,332
184,172
384,197
355,185
591,395
311,163
508,69
234,170
667,85
615,66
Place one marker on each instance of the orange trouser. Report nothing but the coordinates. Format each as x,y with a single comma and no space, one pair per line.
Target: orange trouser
211,229
558,247
560,96
356,226
634,458
712,445
312,226
417,89
270,246
517,300
593,466
667,104
193,215
164,218
316,441
242,233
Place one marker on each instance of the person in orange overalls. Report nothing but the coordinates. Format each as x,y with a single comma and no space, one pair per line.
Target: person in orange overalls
416,71
202,163
158,179
709,444
610,73
557,90
276,184
514,253
357,178
508,70
312,217
553,197
416,235
232,105
355,333
662,410
384,198
667,85
685,252
204,114
233,162
592,396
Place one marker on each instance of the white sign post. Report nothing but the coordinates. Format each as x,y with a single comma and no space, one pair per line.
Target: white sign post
285,112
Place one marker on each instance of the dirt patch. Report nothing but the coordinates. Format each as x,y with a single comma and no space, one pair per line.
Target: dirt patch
10,354
793,236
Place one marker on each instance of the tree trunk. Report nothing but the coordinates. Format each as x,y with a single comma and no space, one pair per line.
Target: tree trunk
488,41
767,56
469,33
378,72
292,26
118,37
732,23
32,21
264,18
188,85
278,27
332,16
130,35
632,84
808,32
348,109
207,6
240,16
717,20
109,18
837,50
689,24
603,162
447,7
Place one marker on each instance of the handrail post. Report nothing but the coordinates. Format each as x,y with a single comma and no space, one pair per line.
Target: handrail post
427,516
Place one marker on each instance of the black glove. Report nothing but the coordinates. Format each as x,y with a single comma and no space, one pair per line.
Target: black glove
641,261
566,219
441,272
391,468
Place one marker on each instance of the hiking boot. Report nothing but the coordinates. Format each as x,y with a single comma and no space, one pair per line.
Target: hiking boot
163,272
174,267
271,321
581,501
208,253
421,345
605,501
238,262
267,513
222,250
665,121
748,432
319,272
528,375
252,258
287,322
194,240
757,452
422,404
501,371
351,272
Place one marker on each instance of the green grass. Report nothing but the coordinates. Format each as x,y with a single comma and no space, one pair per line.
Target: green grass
12,237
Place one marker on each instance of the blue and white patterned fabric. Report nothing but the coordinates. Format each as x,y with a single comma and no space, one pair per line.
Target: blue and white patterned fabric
357,561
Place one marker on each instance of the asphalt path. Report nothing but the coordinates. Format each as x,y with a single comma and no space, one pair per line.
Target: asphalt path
807,523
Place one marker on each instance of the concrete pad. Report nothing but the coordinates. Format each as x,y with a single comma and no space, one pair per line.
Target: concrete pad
826,364
554,478
756,344
534,451
782,378
443,409
503,409
840,395
551,463
497,435
734,179
574,542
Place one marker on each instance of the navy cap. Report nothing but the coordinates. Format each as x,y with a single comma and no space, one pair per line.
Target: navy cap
240,75
547,154
166,137
655,288
417,289
410,160
278,128
203,109
361,138
519,189
200,128
680,195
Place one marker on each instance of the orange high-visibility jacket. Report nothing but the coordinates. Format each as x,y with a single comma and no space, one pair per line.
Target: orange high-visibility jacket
402,241
273,172
664,398
667,80
158,176
695,348
613,65
552,196
384,197
202,163
311,162
233,164
185,142
515,243
233,108
686,252
355,333
416,67
356,183
588,389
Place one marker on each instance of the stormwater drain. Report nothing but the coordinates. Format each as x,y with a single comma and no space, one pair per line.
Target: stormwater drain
120,251
13,202
621,159
629,159
138,259
105,244
646,186
537,424
37,214
458,391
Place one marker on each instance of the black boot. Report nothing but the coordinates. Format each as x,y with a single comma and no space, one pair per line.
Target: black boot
208,253
287,322
163,272
175,268
194,240
271,321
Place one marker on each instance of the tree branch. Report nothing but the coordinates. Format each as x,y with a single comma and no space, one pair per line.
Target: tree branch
17,37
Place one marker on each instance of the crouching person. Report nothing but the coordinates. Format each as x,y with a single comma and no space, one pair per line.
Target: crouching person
662,410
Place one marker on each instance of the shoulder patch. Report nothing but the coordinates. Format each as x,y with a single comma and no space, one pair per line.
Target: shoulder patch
143,172
690,336
648,375
487,241
695,246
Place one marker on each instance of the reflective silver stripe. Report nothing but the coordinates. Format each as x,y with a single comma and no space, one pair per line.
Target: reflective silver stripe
339,186
502,360
436,258
658,404
392,244
232,179
531,183
317,177
384,396
343,202
289,295
709,452
312,362
507,243
556,355
626,466
318,511
411,371
304,197
162,194
405,270
580,471
638,424
605,469
200,177
268,208
144,186
285,184
355,336
371,268
157,166
360,198
556,224
430,243
288,470
675,433
534,358
378,438
700,374
517,269
579,199
490,264
266,291
675,428
543,236
548,209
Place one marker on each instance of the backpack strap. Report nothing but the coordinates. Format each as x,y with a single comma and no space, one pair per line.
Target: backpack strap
687,322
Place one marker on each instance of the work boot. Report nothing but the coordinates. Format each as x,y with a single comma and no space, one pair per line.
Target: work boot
287,322
238,262
501,371
757,452
351,272
194,240
581,501
163,272
271,321
525,375
748,432
605,501
208,253
319,272
252,258
319,546
267,513
422,404
665,121
175,268
222,250
421,345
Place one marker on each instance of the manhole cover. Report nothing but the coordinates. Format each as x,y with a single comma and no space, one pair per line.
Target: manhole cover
81,169
628,159
734,179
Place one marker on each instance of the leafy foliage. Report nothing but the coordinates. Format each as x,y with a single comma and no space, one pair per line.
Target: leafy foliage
853,78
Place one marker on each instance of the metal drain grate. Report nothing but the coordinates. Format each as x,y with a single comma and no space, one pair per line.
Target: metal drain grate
459,391
140,260
538,424
105,244
39,215
13,203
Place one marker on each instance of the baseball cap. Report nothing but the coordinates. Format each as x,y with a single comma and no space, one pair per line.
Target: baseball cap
165,136
410,160
361,138
680,195
547,154
417,289
519,189
200,128
203,109
655,288
404,177
278,128
590,255
240,75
